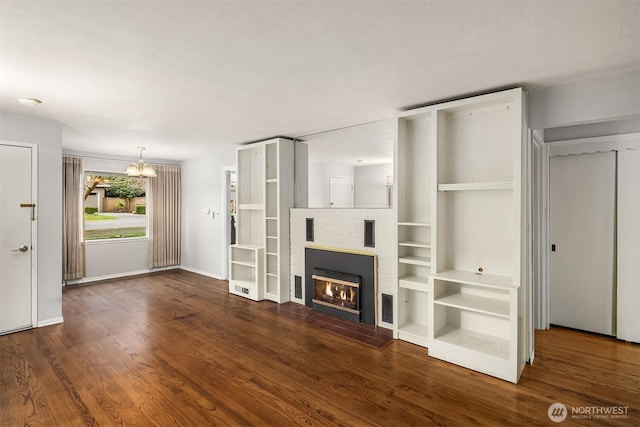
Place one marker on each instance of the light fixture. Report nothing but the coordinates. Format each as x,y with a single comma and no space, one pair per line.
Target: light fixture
142,170
389,189
29,101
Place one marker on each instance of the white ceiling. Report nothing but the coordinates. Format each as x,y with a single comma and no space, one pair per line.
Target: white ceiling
183,77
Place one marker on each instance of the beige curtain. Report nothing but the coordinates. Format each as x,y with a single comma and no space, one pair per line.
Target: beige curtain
164,217
73,264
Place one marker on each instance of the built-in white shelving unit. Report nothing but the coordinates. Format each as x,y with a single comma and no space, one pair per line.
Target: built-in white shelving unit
477,317
412,179
266,192
458,193
246,263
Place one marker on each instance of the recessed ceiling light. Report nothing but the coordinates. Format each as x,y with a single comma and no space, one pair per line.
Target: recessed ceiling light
29,101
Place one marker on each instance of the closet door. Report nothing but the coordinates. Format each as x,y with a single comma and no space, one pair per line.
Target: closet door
628,327
582,229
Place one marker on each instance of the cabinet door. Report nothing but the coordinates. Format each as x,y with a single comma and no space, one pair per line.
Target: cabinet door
581,261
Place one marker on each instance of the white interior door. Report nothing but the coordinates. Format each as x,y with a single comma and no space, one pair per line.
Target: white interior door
582,229
15,238
341,191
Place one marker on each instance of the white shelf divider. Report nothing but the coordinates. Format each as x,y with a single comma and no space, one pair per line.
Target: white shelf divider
471,278
492,306
251,206
417,283
415,260
414,244
476,186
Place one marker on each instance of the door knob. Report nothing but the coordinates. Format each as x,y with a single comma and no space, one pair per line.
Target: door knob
23,248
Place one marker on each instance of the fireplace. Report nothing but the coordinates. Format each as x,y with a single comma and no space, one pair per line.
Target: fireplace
341,284
337,294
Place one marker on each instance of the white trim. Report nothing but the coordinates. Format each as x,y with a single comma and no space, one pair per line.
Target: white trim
599,144
225,241
49,322
528,239
200,272
541,218
120,275
34,225
34,235
98,242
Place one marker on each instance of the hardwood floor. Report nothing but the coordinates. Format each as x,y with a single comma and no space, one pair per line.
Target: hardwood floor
175,348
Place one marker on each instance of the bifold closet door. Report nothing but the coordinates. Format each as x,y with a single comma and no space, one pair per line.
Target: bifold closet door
628,308
582,229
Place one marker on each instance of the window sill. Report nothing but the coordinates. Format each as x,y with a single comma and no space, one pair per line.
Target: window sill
115,241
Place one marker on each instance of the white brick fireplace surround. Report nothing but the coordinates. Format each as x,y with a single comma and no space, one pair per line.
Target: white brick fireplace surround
343,230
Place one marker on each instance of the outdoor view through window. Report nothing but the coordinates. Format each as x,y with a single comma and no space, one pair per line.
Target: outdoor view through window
114,206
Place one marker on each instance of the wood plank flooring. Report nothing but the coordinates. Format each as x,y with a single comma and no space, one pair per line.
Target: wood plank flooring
174,348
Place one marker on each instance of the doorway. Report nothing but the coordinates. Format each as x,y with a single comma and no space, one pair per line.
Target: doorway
229,216
615,165
340,191
17,237
582,197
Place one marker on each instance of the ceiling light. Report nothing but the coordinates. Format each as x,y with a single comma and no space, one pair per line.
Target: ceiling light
141,170
29,101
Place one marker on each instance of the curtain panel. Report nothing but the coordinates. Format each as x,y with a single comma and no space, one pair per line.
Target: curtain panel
73,258
164,217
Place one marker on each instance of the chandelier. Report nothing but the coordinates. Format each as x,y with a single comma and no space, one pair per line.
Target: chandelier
140,169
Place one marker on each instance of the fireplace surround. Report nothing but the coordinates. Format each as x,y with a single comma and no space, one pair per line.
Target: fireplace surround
344,285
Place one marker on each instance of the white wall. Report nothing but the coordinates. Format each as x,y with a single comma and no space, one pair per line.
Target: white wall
47,134
316,185
589,130
587,101
202,235
114,258
370,189
319,181
370,184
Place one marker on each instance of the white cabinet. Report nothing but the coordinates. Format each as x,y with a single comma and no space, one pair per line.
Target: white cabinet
279,190
412,178
460,227
266,191
246,271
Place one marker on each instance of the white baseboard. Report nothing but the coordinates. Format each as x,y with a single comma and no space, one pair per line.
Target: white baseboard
202,273
119,275
49,322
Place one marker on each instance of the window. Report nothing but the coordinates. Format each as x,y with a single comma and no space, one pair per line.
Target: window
114,206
